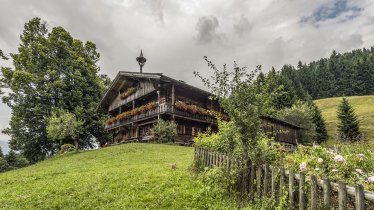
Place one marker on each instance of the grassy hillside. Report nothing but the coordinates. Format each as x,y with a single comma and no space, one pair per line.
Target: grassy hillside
131,176
364,108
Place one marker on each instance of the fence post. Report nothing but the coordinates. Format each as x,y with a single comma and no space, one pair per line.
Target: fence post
210,159
359,197
342,196
326,194
313,192
302,204
281,182
258,180
291,191
266,180
273,182
251,178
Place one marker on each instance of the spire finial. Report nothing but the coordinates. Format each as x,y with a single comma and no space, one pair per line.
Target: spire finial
141,60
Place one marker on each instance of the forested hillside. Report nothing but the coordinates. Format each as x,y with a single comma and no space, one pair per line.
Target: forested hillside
345,74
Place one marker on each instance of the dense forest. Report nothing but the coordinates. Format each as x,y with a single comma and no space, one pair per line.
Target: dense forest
342,74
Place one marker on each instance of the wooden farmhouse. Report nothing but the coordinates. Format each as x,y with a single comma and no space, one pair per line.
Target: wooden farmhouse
136,100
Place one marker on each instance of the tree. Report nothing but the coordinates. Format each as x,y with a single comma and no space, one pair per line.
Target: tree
52,70
300,114
319,122
1,153
348,127
3,165
64,126
245,102
164,131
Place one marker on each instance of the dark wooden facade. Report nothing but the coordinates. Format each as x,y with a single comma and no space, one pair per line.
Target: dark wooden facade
166,93
154,96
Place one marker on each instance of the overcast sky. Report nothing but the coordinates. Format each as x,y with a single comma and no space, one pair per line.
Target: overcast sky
175,35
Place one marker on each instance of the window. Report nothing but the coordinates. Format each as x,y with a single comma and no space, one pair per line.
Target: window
196,131
180,129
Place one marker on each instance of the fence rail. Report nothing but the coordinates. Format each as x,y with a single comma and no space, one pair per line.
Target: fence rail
304,192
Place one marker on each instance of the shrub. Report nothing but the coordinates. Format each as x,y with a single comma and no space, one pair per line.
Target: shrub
164,131
65,148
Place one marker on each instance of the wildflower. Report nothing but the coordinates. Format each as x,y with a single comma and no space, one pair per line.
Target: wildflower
359,171
371,179
334,170
303,166
339,158
320,160
317,169
361,156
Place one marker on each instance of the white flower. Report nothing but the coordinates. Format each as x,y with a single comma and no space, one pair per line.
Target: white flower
317,169
334,170
361,156
359,171
371,179
303,166
339,158
320,160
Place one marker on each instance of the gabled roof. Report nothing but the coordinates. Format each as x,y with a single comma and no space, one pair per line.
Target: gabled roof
117,83
276,120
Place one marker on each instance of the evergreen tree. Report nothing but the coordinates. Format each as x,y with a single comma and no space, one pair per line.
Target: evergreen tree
319,122
52,70
1,153
348,127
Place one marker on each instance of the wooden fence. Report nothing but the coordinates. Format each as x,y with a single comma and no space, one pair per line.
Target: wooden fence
304,192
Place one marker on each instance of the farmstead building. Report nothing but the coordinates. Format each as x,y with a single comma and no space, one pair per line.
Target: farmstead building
136,100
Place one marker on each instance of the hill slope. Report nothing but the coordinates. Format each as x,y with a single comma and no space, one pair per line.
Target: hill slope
131,176
364,108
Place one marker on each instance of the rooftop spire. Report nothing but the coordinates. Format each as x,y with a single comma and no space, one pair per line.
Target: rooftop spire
141,60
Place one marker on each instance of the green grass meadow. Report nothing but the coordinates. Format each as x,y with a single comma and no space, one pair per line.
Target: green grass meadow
130,176
364,109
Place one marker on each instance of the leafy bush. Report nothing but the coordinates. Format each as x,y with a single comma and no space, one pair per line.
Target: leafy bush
226,140
164,131
4,166
65,148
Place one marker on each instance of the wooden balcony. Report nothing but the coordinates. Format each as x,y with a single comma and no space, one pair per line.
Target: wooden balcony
163,109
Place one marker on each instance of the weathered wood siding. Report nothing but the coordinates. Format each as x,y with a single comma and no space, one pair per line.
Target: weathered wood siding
142,88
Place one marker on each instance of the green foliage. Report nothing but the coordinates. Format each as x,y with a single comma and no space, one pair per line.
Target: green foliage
350,163
64,126
66,148
226,140
345,74
4,166
301,114
52,70
12,161
348,127
129,176
1,153
164,131
244,100
319,122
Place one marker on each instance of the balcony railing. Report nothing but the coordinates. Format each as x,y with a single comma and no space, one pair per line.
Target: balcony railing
161,109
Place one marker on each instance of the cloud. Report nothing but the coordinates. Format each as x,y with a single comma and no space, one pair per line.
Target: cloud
206,28
242,26
333,10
